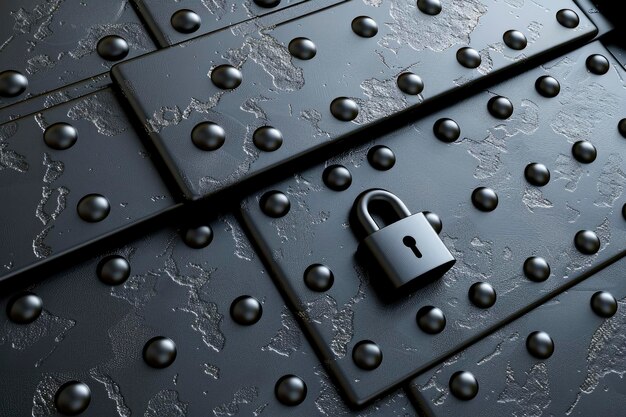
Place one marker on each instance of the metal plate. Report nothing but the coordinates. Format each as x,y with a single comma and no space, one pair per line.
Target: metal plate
95,333
583,377
294,95
42,186
53,42
430,175
213,15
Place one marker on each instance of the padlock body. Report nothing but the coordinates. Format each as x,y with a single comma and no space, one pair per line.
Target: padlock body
400,263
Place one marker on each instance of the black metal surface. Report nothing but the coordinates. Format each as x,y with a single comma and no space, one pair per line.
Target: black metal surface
295,95
492,246
53,42
583,377
95,333
42,186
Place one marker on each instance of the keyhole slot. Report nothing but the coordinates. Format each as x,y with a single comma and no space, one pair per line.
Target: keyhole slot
410,242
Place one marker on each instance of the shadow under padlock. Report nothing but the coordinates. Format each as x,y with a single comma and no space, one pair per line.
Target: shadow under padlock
406,253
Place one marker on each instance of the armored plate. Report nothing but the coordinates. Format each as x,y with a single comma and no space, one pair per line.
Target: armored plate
95,333
174,22
53,43
294,94
439,177
583,377
42,185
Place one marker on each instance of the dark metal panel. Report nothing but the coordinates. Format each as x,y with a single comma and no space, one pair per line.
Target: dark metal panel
53,42
42,186
583,377
431,175
295,95
95,333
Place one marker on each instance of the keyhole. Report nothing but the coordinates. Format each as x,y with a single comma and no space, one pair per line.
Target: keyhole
411,243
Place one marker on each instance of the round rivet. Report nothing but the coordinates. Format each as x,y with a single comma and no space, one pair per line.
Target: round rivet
72,398
344,109
275,204
318,277
113,270
624,211
621,127
198,237
365,27
246,310
547,86
290,390
302,48
540,345
112,48
514,39
431,7
226,77
381,158
12,83
584,152
24,308
604,304
410,83
597,64
485,199
367,355
208,136
463,385
537,174
337,177
267,138
186,21
267,3
446,130
60,136
159,352
500,107
567,18
482,295
468,57
93,208
587,242
431,319
536,269
434,220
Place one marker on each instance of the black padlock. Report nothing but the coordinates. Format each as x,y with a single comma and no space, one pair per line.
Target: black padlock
408,251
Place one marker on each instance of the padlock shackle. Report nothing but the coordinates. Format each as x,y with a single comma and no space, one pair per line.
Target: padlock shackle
362,212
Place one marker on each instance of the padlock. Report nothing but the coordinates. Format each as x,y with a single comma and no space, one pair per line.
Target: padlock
408,251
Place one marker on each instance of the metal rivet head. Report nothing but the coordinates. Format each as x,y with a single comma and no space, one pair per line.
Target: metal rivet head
536,269
537,174
267,3
318,277
93,208
463,385
226,77
540,345
410,83
267,138
302,48
584,152
446,130
567,18
208,136
500,107
246,310
468,57
60,136
159,352
72,398
430,7
431,320
597,64
364,26
367,355
112,48
185,21
515,39
434,220
290,390
12,83
604,304
275,204
24,308
547,86
482,295
485,199
198,237
381,158
587,242
344,109
113,270
337,177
